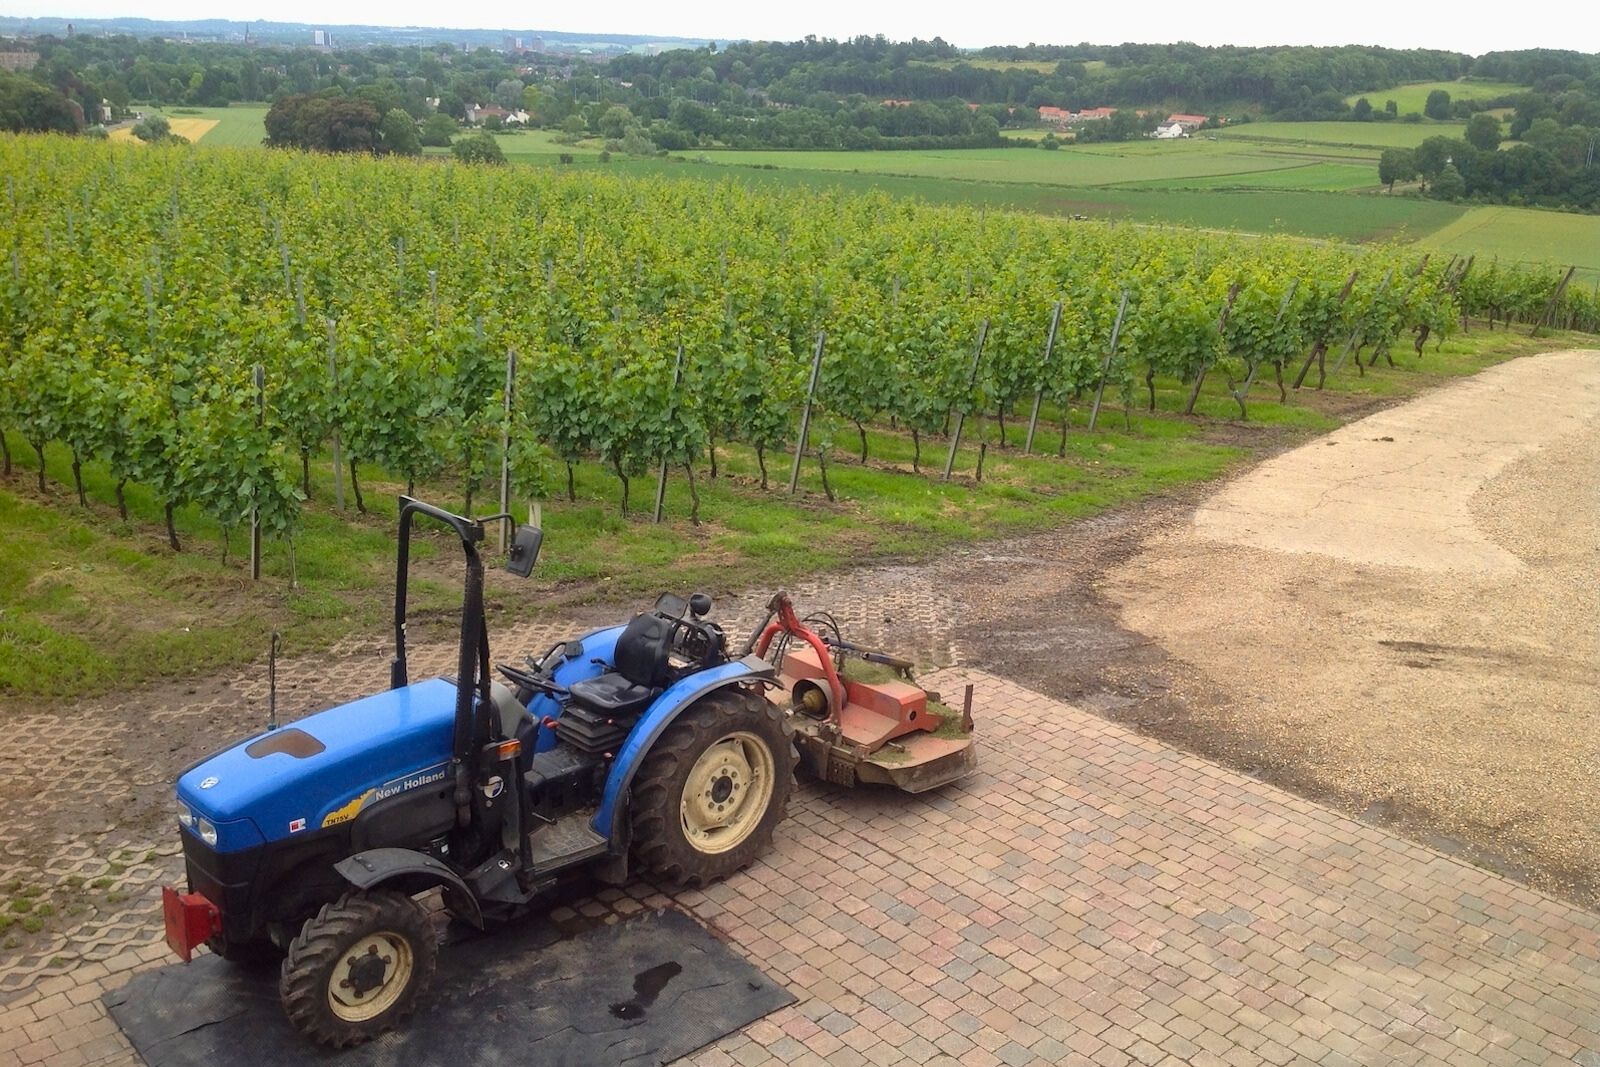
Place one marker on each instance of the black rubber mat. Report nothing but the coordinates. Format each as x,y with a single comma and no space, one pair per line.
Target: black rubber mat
644,991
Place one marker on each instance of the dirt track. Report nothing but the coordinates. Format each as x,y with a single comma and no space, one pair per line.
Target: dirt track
1404,617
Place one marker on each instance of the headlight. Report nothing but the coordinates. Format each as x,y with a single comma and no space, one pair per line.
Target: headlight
208,832
185,816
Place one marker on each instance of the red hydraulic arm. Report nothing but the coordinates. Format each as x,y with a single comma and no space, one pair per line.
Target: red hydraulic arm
783,620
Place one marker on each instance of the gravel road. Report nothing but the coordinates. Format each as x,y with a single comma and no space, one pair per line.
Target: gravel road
1404,616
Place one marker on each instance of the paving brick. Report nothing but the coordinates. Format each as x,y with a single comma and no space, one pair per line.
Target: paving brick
1088,897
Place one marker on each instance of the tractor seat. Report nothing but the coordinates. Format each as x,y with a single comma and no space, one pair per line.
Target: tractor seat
640,662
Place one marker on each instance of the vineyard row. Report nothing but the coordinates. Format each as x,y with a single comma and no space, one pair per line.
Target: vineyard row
381,298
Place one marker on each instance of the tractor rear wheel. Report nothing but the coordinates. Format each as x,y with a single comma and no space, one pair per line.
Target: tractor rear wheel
358,968
713,787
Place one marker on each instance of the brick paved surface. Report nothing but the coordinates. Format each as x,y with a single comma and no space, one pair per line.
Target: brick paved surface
1089,897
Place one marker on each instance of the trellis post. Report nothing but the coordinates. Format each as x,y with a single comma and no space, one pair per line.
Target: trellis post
1111,353
505,448
805,415
961,416
1044,366
661,482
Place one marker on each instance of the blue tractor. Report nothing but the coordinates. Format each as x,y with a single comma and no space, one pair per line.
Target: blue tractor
647,746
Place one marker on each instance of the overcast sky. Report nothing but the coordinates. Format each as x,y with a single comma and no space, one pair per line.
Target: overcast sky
1462,27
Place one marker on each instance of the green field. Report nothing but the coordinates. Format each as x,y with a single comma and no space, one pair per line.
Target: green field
1074,166
241,124
541,146
1317,176
1525,235
1374,136
1121,163
1042,66
1340,216
1414,96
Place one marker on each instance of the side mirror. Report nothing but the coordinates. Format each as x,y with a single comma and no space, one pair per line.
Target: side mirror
524,550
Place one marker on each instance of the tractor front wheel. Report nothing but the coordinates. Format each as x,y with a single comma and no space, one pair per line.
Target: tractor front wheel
713,787
358,968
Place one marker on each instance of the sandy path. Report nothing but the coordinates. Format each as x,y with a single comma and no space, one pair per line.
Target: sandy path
1406,614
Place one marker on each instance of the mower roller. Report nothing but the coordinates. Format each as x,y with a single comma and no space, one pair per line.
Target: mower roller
646,746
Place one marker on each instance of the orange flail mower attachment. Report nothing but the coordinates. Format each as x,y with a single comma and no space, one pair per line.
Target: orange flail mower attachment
851,732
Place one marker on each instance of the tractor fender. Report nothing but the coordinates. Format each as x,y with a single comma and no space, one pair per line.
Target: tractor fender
411,872
667,707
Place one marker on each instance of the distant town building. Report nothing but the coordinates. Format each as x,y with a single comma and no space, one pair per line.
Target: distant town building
1055,116
18,61
322,39
477,113
1061,118
1190,123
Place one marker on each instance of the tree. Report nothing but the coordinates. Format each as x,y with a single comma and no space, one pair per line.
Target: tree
1438,105
438,131
536,102
399,134
695,118
478,148
615,122
1391,109
25,106
1396,165
508,94
323,124
1483,132
668,139
1432,155
453,104
153,128
636,143
1363,110
1449,185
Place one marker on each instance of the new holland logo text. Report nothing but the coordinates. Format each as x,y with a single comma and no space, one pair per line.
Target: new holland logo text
393,787
409,782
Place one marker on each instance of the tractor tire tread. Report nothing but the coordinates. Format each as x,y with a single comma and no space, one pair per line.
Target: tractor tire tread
318,946
658,844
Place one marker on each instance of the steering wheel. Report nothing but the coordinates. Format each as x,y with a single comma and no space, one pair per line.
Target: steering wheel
528,680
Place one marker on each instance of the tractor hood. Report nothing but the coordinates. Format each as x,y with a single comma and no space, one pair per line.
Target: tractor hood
322,770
